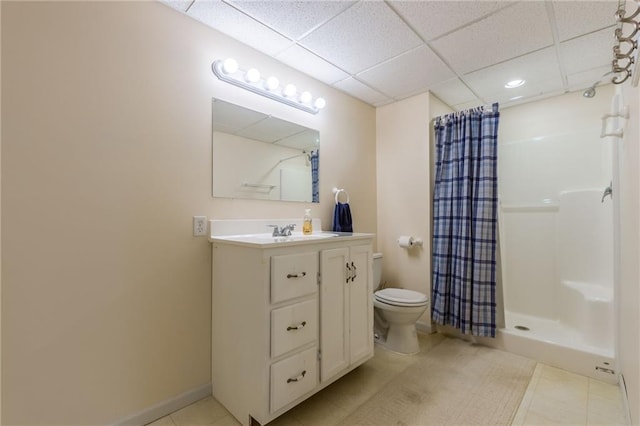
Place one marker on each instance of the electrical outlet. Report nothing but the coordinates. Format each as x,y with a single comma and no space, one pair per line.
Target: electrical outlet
199,226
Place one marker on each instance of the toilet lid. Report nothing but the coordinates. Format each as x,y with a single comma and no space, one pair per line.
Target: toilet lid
401,297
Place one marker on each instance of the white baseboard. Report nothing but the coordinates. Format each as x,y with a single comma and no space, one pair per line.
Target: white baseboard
166,407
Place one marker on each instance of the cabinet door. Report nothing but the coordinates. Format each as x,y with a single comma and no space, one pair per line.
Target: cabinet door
334,310
360,303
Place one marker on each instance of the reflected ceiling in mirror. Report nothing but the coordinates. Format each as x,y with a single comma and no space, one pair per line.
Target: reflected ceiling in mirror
258,156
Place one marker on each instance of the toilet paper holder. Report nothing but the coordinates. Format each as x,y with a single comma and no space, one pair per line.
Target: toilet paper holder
408,242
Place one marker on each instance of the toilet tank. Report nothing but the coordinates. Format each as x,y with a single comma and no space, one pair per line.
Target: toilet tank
377,269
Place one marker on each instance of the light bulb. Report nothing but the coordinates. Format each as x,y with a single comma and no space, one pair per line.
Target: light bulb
305,97
252,76
272,83
290,90
320,103
229,66
513,84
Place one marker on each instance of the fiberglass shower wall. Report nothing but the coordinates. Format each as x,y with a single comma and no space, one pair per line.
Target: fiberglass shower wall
556,235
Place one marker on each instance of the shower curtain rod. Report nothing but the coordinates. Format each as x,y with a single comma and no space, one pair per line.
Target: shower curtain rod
293,156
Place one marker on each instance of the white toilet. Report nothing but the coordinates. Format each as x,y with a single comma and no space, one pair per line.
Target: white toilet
396,313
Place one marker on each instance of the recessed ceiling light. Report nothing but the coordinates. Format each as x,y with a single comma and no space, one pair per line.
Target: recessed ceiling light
514,83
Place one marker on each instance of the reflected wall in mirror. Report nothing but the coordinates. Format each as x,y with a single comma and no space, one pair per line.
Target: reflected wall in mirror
258,156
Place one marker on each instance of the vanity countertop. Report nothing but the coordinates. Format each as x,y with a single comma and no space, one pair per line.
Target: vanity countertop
267,240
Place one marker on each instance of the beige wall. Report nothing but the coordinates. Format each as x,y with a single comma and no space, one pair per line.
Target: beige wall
629,297
106,157
437,108
404,192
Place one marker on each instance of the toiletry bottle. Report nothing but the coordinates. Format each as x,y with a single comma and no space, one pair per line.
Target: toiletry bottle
307,228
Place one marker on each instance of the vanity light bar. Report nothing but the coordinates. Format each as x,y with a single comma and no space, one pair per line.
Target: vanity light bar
229,71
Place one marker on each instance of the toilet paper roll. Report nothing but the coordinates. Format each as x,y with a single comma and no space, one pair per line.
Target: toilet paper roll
405,241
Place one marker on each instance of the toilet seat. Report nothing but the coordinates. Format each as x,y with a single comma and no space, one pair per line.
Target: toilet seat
401,297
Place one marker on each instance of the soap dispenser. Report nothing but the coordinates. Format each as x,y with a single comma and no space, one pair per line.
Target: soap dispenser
307,227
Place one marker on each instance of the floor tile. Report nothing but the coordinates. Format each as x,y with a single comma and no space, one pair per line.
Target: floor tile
164,421
553,397
228,420
317,411
557,410
519,417
605,405
204,412
564,387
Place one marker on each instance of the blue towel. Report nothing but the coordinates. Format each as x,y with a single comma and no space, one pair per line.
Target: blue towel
342,218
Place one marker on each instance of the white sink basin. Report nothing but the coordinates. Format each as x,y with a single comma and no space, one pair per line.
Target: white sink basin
268,238
302,237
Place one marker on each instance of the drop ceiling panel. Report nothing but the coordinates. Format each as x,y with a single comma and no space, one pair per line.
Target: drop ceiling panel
181,5
435,18
376,50
292,19
453,92
540,66
585,79
228,20
305,61
524,28
361,37
590,51
529,96
577,18
407,73
536,89
361,91
467,105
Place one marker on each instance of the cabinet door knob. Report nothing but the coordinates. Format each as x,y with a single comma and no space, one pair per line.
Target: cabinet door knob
298,378
300,275
297,327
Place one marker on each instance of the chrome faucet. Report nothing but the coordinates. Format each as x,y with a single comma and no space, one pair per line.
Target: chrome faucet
284,231
607,191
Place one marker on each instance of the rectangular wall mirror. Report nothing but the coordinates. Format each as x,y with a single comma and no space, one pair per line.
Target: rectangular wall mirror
258,156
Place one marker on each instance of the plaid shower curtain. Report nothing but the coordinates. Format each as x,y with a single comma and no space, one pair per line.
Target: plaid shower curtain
465,221
314,157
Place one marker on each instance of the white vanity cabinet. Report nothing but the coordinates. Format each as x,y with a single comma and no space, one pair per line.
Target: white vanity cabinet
346,331
288,319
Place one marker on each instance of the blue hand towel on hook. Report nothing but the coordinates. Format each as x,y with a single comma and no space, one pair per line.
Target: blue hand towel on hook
342,214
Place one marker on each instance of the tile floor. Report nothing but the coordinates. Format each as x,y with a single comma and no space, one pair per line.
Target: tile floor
553,397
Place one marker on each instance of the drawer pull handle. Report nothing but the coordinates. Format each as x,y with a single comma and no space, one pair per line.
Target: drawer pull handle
297,327
297,379
354,272
348,272
300,275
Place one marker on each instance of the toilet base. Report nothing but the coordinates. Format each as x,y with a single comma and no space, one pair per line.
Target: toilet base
401,338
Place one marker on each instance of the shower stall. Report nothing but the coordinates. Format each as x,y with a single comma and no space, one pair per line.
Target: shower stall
556,233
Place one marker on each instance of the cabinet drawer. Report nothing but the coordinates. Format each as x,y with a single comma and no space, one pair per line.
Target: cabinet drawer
293,326
293,276
293,377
